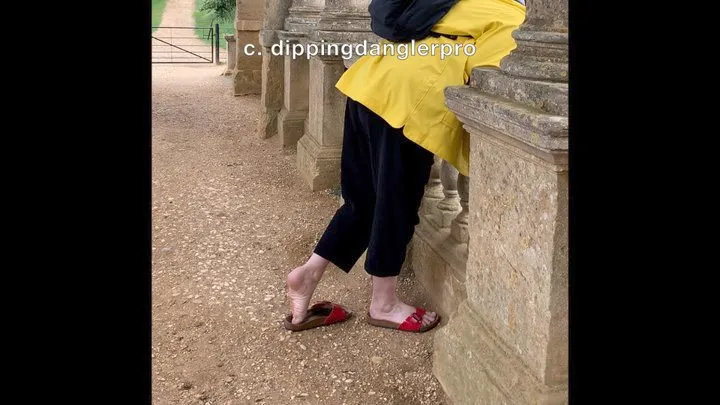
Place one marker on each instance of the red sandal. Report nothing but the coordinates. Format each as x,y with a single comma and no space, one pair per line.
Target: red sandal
413,323
320,314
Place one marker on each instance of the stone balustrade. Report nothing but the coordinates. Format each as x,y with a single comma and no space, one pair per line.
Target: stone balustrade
438,252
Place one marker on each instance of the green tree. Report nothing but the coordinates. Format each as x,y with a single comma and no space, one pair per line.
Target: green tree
219,10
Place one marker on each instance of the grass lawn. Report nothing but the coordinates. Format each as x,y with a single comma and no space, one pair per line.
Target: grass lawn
158,6
202,20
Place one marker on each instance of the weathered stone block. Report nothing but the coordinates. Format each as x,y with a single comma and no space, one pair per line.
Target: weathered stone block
475,367
517,269
248,69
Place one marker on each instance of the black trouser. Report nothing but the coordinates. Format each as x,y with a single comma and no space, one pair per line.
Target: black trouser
383,177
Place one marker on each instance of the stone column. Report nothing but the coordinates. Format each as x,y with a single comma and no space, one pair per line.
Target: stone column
248,21
342,21
303,16
272,69
291,120
508,341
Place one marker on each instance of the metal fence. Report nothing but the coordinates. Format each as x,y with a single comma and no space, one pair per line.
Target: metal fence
186,44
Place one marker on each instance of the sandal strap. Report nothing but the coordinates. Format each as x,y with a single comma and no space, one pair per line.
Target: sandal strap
337,314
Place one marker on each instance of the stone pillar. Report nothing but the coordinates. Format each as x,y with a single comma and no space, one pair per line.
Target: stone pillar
342,21
232,54
508,341
303,16
248,66
318,151
291,120
272,69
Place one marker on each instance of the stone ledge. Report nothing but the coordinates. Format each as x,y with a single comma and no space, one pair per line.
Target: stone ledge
344,20
300,26
342,37
539,55
291,37
545,132
549,97
294,115
304,11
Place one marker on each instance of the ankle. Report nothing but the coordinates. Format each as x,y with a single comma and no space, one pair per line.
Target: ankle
313,273
384,304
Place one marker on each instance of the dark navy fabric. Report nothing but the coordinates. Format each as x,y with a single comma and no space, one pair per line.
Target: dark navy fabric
382,178
405,20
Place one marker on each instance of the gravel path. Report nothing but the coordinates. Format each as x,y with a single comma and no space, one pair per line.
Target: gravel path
231,217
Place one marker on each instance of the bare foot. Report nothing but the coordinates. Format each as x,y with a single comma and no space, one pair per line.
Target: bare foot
301,283
397,312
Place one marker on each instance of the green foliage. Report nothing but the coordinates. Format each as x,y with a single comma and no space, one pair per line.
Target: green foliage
158,7
220,10
210,18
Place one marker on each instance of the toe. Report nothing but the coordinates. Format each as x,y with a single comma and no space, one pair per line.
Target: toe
428,318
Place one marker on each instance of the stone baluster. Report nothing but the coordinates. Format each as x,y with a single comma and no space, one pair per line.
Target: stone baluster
449,206
433,190
459,227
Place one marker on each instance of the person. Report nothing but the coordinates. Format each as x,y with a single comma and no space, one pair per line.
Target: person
395,121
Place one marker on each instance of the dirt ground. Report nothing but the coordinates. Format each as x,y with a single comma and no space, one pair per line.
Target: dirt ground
231,217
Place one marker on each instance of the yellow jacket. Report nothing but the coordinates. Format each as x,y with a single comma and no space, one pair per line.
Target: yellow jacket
407,90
